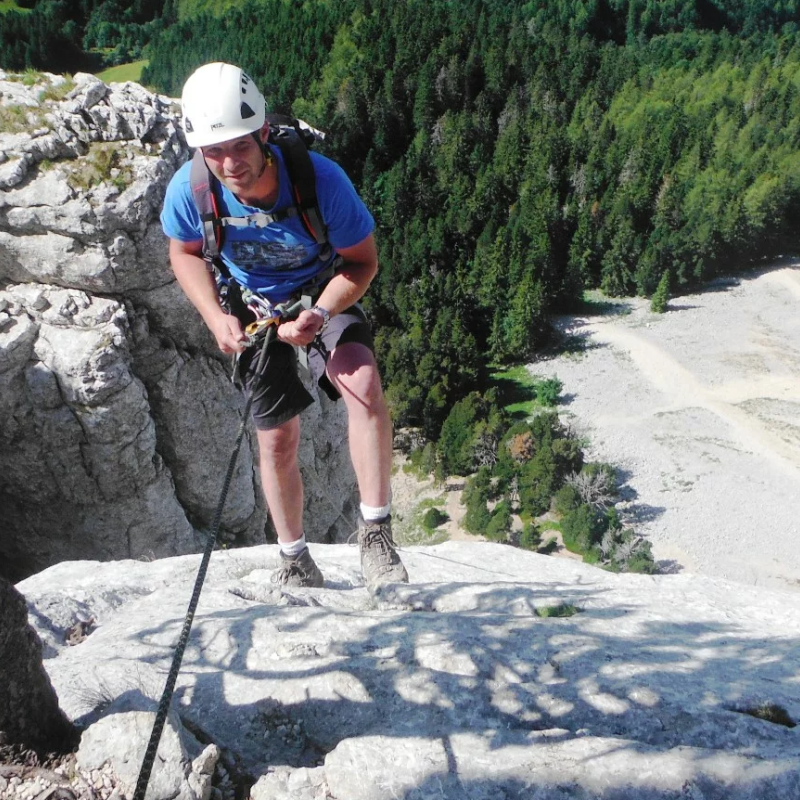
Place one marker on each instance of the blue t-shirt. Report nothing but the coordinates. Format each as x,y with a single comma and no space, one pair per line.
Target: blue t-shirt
280,258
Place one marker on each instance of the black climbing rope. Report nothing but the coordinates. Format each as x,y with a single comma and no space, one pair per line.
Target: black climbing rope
183,640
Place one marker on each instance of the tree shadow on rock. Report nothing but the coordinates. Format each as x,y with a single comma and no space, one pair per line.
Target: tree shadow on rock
286,683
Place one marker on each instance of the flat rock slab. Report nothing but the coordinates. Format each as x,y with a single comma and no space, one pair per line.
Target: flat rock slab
458,685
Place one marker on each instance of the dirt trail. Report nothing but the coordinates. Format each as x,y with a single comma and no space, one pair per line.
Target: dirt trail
686,390
699,408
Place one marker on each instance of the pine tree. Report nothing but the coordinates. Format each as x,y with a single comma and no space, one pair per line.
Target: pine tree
660,298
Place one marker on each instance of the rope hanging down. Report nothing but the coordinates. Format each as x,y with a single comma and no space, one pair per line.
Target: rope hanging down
183,640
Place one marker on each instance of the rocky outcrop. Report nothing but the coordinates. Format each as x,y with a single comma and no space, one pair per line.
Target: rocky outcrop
496,673
29,712
117,416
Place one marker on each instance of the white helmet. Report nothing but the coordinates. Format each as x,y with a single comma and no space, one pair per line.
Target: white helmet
220,102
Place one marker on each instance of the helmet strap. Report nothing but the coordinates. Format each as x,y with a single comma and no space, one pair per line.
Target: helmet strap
265,151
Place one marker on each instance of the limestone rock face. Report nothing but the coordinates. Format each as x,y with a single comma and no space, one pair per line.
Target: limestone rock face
117,412
495,673
29,712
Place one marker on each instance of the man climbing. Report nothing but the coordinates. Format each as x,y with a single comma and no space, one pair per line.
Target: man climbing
270,257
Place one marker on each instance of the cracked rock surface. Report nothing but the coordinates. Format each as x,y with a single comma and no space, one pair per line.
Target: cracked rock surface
117,414
464,684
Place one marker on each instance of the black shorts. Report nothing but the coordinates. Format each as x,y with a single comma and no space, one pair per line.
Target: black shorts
278,392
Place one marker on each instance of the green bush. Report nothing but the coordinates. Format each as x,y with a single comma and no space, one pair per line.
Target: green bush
477,518
433,518
613,520
660,298
423,459
568,456
500,523
470,431
531,537
566,499
548,391
479,485
641,560
550,546
561,610
582,529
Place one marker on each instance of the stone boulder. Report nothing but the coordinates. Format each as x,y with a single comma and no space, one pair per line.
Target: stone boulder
29,712
118,414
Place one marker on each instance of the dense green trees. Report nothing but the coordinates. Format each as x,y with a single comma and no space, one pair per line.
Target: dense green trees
61,36
513,153
538,469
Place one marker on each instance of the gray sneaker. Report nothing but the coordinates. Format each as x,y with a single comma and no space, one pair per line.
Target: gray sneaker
299,570
379,560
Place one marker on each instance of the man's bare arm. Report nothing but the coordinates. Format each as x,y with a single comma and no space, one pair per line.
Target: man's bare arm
200,287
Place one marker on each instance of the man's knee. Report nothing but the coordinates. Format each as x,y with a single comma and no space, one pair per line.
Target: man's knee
353,371
278,446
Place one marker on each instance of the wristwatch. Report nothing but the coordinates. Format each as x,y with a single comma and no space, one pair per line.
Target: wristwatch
325,314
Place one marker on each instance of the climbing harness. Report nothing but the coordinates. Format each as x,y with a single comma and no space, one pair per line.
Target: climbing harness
268,331
293,138
264,312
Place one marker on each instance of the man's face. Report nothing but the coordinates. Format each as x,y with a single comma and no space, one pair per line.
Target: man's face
238,164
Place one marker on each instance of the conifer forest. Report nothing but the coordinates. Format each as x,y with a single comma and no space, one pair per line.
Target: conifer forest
514,153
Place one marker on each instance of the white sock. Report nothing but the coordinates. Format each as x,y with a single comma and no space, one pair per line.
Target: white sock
375,513
293,548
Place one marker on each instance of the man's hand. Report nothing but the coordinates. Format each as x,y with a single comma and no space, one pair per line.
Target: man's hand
302,330
228,332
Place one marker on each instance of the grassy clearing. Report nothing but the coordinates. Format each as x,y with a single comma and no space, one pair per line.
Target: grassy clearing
415,531
10,5
516,390
124,72
595,303
521,393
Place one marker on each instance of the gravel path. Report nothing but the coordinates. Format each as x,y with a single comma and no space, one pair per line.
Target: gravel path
699,409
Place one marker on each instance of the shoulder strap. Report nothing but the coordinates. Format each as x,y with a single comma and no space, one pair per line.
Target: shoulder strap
200,180
287,136
301,173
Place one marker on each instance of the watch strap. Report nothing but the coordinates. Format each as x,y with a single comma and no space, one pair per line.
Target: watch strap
325,314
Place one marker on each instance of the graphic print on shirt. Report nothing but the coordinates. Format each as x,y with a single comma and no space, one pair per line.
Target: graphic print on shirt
272,255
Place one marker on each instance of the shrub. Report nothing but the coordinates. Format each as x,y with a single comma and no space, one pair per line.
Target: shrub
521,447
477,518
423,459
596,483
641,560
548,391
433,518
567,454
479,485
582,529
566,499
550,546
469,434
660,298
561,610
500,523
623,551
531,537
537,482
